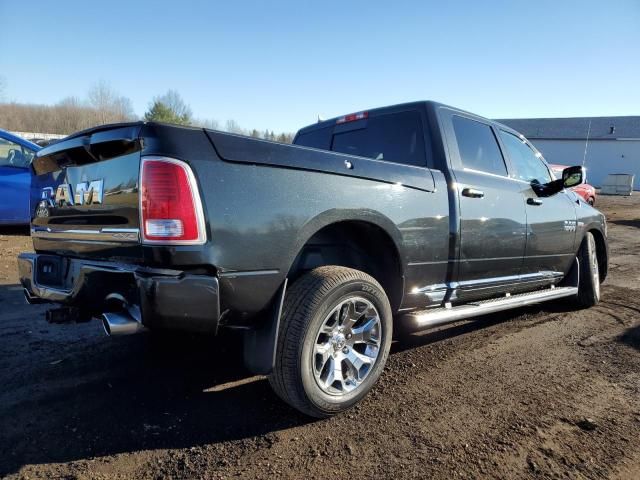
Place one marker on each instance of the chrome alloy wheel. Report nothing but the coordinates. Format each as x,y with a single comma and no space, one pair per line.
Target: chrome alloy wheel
347,346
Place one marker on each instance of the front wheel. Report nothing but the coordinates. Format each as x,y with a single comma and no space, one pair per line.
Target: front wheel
589,284
334,340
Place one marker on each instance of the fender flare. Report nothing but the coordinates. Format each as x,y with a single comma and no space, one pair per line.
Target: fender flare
336,215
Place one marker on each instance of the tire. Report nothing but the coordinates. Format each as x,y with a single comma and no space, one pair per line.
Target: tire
589,284
320,340
591,201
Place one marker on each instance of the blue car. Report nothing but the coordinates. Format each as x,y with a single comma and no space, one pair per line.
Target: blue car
16,155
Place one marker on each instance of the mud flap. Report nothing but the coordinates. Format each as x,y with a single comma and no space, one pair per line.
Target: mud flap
260,343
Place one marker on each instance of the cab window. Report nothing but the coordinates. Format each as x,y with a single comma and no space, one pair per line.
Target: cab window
395,137
478,146
316,138
527,163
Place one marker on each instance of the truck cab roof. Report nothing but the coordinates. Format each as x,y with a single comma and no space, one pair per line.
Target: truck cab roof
427,105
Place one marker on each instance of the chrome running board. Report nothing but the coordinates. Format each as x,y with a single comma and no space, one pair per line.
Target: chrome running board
421,320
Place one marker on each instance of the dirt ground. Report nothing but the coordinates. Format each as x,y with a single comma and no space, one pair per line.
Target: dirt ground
539,392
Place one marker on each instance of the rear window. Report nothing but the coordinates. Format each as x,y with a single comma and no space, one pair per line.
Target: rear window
318,138
394,137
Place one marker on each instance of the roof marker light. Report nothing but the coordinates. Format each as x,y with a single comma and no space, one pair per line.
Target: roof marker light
352,117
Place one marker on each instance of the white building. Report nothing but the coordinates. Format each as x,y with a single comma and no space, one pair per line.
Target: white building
613,144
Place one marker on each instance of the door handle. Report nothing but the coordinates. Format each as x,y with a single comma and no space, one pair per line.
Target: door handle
472,193
534,201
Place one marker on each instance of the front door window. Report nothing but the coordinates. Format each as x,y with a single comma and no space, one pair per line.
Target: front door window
14,155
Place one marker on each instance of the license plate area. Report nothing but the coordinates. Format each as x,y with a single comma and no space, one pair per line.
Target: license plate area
49,271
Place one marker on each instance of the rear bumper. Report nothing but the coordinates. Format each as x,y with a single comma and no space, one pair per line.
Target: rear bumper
169,299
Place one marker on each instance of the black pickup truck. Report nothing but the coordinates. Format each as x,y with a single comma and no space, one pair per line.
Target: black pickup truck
402,217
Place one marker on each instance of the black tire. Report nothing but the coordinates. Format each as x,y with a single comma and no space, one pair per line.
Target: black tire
307,306
591,201
589,284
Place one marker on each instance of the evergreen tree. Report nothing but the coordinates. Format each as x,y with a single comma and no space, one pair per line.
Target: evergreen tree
159,112
169,108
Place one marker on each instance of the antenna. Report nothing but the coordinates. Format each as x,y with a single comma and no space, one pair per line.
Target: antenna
586,144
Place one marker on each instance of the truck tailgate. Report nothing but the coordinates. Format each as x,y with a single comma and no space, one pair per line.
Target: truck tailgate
84,194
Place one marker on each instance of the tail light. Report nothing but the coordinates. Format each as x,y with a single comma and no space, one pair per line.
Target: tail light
170,208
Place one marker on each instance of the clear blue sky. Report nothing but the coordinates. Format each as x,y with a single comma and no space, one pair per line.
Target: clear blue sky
277,64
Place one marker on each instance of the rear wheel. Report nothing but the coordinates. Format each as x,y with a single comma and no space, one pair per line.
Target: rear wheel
591,201
589,284
333,342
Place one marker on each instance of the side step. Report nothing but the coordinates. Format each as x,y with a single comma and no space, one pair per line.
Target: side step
416,321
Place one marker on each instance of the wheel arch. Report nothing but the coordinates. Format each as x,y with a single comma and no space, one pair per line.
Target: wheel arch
368,236
371,243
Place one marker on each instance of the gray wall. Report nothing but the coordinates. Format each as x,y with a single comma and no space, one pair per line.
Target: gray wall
603,157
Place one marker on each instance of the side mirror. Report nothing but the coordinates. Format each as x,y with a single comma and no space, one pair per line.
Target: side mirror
573,176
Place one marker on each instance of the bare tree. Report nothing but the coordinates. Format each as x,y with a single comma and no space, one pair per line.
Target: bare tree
123,108
233,127
208,123
71,114
108,105
104,105
100,98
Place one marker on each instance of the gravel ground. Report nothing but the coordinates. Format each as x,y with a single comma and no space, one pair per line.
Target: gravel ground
538,392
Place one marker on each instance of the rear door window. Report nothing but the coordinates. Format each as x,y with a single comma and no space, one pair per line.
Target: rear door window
478,146
394,137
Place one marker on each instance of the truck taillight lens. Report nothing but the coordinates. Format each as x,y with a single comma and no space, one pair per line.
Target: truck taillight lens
170,208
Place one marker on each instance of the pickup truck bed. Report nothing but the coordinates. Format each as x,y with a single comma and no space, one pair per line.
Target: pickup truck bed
153,226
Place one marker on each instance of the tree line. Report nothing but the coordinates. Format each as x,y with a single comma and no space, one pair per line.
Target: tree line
103,105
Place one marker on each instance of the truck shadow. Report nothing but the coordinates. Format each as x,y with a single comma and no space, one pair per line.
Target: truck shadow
408,341
627,223
70,394
14,230
631,337
103,396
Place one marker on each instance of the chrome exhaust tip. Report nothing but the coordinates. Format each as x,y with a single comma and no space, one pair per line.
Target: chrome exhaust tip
120,324
27,297
31,300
